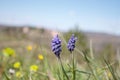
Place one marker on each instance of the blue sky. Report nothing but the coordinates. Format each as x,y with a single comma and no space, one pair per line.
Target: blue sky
90,15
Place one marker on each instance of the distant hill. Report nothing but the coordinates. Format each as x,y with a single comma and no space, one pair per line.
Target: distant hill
99,40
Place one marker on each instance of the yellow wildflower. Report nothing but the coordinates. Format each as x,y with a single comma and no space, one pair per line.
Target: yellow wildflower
99,70
29,47
8,52
40,57
17,65
109,74
33,68
19,74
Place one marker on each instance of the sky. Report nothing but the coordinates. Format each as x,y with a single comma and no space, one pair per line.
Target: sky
89,15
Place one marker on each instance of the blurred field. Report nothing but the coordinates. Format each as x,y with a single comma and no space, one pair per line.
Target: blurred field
29,44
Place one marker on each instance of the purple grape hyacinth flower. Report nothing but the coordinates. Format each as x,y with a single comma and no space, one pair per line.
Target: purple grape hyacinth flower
71,43
56,46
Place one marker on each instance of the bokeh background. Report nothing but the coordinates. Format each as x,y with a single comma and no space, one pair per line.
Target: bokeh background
28,26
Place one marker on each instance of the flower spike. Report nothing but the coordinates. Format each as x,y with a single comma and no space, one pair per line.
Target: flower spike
56,46
71,43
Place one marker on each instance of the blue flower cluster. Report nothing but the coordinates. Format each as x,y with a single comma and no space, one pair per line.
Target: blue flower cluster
56,46
71,43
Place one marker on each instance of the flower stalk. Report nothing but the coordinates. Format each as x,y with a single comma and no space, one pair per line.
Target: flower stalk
71,46
63,69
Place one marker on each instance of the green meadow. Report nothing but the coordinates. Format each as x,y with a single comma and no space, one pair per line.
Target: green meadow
27,55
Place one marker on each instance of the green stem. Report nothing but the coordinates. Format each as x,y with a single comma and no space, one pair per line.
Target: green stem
88,62
8,78
63,68
30,76
73,64
92,71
